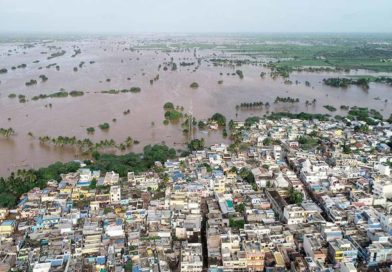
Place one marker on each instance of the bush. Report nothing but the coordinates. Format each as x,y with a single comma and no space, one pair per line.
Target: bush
173,115
194,85
168,106
104,126
330,108
240,74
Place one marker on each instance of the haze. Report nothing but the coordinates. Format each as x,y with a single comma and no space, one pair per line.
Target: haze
121,16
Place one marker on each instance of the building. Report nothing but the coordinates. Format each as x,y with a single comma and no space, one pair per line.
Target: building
191,257
342,251
111,178
7,227
255,255
115,194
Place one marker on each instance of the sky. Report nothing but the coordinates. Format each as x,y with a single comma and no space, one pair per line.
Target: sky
187,16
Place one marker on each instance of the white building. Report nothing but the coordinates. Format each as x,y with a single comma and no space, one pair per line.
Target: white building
111,178
115,194
382,188
294,214
277,152
191,257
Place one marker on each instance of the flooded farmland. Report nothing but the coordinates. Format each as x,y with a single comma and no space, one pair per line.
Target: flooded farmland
94,65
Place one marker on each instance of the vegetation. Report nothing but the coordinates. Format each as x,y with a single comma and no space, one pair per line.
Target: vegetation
301,116
295,196
344,107
31,82
104,126
330,108
7,132
22,98
22,181
56,54
173,115
86,146
283,71
250,105
345,82
359,81
240,74
240,208
196,144
194,85
201,124
252,120
382,79
59,94
286,100
76,93
3,70
308,142
43,78
130,90
128,267
236,223
90,130
371,117
362,128
123,164
247,176
219,118
168,106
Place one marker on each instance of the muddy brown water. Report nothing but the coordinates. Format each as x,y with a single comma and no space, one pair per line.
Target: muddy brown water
72,115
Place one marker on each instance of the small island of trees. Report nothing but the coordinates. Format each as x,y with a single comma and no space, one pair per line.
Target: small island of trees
7,132
330,108
31,82
240,74
219,118
104,126
172,114
288,99
43,78
130,90
194,85
345,82
250,105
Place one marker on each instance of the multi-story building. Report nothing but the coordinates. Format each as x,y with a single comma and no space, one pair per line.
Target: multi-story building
340,251
115,194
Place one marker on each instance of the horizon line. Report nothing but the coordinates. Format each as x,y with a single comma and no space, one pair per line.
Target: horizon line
180,32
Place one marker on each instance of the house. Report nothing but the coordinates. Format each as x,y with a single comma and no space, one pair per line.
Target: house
115,194
111,178
7,227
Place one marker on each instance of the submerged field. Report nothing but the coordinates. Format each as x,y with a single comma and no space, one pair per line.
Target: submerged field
103,88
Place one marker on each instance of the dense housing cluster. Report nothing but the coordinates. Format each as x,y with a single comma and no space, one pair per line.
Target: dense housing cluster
290,195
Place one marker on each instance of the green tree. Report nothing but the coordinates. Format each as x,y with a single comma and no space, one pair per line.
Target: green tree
196,144
240,207
295,196
219,118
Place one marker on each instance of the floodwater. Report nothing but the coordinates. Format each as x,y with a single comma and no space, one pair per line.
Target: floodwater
126,68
